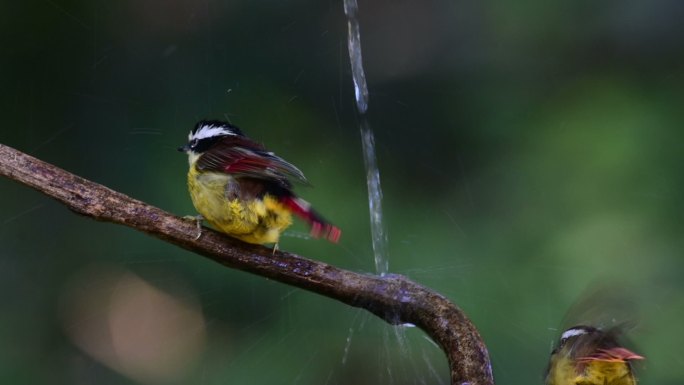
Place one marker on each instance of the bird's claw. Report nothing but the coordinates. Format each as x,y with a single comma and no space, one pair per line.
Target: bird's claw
198,220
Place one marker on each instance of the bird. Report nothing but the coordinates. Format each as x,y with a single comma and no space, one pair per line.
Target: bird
588,355
244,190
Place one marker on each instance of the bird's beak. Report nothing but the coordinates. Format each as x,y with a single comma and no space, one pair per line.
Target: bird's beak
184,148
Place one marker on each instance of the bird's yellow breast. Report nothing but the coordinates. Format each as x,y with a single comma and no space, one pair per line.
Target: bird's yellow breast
255,220
565,371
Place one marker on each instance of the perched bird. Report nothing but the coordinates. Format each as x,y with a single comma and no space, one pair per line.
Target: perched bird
587,355
244,190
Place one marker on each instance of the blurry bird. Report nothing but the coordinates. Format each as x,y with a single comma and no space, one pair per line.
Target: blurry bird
586,355
244,190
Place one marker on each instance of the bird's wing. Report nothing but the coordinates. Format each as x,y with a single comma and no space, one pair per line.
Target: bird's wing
240,156
615,354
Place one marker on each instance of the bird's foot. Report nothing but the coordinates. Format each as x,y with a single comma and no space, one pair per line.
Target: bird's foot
198,220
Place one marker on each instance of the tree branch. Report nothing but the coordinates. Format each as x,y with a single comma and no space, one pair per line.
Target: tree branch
393,298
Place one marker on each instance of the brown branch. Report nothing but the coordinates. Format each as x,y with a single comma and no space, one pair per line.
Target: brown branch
393,298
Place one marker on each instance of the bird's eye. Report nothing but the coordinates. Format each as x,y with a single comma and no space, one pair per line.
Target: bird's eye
193,143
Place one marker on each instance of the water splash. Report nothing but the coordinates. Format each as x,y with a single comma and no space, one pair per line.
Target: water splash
379,236
347,346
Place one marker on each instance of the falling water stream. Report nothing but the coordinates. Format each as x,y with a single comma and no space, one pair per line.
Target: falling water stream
378,233
351,9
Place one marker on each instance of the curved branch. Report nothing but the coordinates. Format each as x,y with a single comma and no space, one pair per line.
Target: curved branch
393,298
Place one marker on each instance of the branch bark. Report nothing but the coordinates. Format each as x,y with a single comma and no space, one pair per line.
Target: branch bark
393,298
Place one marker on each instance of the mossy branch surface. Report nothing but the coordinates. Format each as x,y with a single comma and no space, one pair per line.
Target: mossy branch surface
394,298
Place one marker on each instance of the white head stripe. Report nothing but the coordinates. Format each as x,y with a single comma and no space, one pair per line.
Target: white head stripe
209,131
573,332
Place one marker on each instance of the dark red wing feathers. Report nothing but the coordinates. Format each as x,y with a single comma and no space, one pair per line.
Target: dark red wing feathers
319,226
616,354
241,156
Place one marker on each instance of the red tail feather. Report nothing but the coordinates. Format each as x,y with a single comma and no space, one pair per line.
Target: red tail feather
319,226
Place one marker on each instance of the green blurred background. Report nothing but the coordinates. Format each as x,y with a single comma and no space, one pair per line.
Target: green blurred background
528,151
